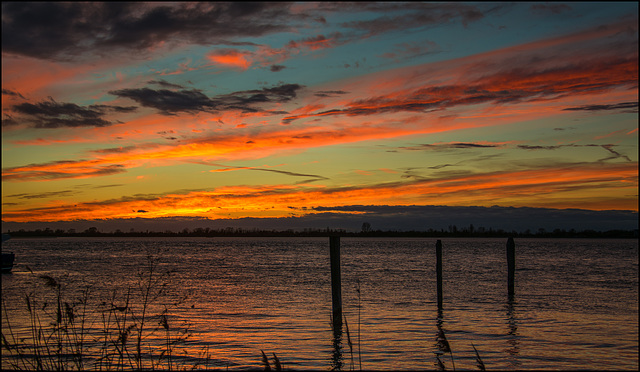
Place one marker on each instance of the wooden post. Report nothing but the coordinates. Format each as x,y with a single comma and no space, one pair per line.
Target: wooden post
511,267
439,272
336,281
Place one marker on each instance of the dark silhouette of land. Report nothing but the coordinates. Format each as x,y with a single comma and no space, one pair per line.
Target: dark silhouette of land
453,231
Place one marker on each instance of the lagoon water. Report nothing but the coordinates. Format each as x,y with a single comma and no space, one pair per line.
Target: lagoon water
575,306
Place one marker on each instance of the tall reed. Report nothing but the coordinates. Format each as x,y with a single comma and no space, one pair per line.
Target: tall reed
443,346
349,342
359,308
479,361
277,365
56,338
62,336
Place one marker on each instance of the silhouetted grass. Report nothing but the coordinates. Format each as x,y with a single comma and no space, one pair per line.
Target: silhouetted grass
277,365
478,359
59,336
443,346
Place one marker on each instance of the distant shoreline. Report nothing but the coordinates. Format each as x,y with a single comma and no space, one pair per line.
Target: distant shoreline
610,234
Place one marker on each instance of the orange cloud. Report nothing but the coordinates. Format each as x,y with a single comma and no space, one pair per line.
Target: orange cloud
231,57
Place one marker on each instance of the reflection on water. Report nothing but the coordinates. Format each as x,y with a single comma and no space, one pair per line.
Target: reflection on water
576,299
442,344
336,361
513,339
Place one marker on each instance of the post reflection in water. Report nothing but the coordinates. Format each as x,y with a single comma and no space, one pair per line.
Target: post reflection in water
513,338
336,359
442,345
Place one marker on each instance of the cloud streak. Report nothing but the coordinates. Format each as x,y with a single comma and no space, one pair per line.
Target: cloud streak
629,107
313,176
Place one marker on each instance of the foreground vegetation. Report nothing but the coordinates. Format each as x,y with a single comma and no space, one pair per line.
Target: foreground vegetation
68,331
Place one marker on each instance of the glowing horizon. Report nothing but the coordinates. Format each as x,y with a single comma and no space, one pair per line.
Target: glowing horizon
277,110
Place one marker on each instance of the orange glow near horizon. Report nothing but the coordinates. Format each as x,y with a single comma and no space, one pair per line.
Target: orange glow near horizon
505,188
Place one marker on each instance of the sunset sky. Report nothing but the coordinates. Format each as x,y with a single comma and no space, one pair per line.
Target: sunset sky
231,110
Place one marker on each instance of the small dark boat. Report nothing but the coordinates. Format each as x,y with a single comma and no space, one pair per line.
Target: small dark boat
7,258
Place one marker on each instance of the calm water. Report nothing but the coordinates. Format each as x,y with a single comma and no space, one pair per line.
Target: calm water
576,303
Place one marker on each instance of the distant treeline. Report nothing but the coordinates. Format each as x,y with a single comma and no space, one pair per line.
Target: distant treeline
239,232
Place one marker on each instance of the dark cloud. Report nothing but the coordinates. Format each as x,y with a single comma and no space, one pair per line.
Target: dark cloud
440,166
117,150
11,93
276,68
630,106
609,147
52,114
329,93
168,134
466,145
243,99
71,30
312,177
538,147
63,30
108,108
106,186
68,169
448,146
43,195
614,154
170,102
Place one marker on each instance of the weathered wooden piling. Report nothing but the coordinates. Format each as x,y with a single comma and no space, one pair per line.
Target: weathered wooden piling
439,272
511,267
336,281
